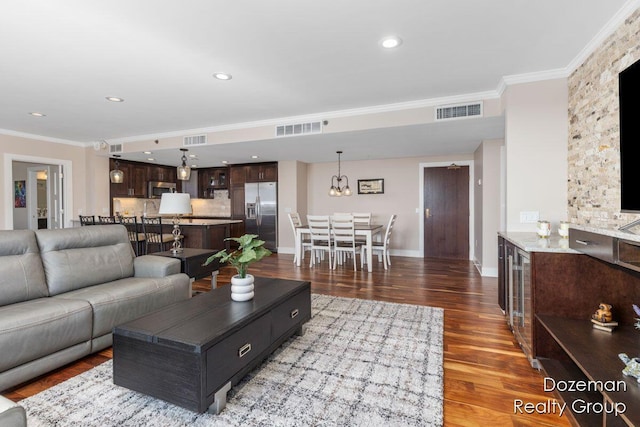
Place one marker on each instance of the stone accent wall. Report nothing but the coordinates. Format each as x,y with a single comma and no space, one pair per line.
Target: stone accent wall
594,130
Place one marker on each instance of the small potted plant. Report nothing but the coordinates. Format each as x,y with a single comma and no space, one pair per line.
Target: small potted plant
250,249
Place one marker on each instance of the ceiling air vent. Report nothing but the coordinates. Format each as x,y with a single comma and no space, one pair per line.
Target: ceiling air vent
115,148
194,140
450,112
298,129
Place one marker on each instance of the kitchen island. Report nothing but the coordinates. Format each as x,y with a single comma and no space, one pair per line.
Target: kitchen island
205,233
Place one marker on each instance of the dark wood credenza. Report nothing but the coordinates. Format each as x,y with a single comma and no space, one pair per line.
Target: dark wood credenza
192,352
564,290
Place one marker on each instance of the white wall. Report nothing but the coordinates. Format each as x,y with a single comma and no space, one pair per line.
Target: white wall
87,174
487,203
536,152
478,199
401,195
292,197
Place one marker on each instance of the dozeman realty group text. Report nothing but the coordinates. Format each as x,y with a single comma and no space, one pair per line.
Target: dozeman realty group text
577,406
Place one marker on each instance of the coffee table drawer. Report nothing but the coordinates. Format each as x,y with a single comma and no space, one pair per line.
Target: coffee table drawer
236,351
291,313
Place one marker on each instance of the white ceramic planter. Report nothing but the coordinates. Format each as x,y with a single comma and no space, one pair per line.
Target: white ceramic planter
242,288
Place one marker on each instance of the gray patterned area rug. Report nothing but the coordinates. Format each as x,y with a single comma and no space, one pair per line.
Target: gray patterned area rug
360,363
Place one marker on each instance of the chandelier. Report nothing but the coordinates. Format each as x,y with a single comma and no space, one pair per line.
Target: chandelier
184,171
337,188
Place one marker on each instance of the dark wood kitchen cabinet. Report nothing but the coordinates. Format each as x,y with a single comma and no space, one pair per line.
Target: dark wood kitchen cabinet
162,173
254,172
135,179
262,172
237,179
211,179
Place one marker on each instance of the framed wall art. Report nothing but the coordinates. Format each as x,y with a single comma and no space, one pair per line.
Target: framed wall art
371,186
20,193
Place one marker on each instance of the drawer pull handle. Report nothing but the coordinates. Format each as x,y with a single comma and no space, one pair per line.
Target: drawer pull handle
583,242
294,313
244,350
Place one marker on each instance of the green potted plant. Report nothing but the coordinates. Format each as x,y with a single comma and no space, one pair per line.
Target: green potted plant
250,249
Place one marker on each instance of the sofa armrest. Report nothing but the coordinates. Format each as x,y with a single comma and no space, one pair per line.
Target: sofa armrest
155,266
12,414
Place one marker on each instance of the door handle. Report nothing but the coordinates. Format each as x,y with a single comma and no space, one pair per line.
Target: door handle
427,213
258,212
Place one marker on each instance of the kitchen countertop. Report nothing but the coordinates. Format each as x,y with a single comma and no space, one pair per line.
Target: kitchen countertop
205,217
184,221
609,232
530,242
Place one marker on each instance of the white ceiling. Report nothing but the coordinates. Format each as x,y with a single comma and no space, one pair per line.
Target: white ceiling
287,58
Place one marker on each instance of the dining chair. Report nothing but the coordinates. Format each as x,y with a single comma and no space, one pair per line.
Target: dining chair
87,219
344,239
320,233
136,238
107,220
153,235
305,243
362,218
383,247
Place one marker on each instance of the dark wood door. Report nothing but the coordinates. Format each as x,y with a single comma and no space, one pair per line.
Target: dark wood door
446,212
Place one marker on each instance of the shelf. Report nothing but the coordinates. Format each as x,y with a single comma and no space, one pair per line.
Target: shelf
569,371
595,355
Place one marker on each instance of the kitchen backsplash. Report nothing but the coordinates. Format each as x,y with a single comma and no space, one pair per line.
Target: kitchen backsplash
220,206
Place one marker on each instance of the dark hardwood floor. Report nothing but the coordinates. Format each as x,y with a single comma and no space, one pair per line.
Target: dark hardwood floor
484,368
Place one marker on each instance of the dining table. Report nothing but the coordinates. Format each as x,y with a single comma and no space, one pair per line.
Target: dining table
367,230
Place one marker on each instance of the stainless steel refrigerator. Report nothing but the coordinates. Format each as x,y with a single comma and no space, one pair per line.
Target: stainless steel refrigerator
261,209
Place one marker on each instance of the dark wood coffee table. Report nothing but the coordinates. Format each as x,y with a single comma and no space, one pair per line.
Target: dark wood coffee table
192,352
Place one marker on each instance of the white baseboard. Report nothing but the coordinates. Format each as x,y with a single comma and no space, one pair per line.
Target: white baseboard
489,272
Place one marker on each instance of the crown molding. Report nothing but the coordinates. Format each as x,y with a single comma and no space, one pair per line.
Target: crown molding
558,73
43,138
609,28
375,109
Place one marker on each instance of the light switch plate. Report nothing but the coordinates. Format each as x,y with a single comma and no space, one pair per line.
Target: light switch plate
528,217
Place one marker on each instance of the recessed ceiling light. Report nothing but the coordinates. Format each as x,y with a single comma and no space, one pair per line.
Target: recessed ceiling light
114,99
222,76
391,42
36,114
225,162
193,156
254,157
151,159
194,166
147,152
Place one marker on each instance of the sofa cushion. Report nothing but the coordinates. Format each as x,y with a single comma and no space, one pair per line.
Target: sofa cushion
75,258
155,266
21,272
127,299
33,329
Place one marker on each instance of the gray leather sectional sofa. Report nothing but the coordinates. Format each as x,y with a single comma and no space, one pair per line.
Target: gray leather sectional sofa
63,291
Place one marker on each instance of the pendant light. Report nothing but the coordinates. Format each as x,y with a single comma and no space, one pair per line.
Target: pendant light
184,171
116,175
337,189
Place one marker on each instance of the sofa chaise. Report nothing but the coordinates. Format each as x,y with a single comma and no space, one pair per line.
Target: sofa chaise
63,291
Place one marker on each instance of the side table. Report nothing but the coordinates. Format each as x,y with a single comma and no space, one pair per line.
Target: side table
191,261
